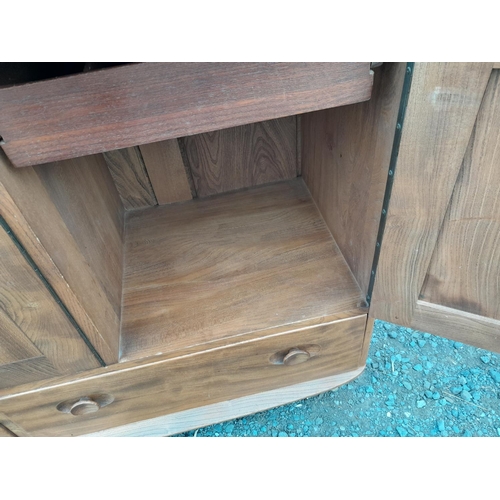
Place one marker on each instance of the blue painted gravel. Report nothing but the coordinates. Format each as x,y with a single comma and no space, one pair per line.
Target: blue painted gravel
415,384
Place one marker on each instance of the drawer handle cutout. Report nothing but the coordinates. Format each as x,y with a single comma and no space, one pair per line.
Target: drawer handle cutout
295,355
85,404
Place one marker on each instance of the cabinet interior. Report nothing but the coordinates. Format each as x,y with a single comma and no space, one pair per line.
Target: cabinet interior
14,73
190,242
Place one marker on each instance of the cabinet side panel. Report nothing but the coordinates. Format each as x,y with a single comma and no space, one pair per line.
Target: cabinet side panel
465,267
69,217
345,159
442,107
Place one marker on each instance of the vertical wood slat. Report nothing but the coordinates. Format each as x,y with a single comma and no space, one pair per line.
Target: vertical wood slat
442,108
166,170
465,267
346,153
245,156
131,179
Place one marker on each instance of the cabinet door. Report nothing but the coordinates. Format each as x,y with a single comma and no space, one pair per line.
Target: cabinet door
37,340
439,266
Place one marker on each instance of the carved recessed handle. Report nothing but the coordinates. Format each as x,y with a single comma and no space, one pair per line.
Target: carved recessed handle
85,405
295,356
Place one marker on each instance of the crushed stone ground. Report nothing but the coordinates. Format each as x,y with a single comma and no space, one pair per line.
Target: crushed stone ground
414,384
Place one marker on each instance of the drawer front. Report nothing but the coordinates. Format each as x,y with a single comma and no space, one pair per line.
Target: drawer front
139,392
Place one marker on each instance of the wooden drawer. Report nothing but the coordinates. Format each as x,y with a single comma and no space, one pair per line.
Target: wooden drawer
132,392
144,103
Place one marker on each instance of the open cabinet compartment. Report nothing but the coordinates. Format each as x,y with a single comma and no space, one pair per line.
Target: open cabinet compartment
280,233
205,269
153,271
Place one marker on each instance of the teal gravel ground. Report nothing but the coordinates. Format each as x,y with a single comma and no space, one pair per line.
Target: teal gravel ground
414,384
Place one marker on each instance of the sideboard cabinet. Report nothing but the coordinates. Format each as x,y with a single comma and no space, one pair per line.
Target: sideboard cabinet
186,243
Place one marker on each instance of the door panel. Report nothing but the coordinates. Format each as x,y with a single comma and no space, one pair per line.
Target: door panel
464,272
440,260
38,340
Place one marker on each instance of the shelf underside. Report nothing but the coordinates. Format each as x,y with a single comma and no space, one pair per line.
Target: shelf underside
206,270
137,104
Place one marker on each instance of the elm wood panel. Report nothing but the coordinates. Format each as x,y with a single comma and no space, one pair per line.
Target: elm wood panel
298,140
345,160
68,215
442,106
366,341
4,432
208,269
142,103
12,427
465,266
32,244
167,171
186,420
14,345
239,157
35,319
27,371
457,325
148,390
130,177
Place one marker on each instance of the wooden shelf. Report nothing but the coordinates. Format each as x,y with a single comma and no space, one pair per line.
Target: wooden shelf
207,270
143,103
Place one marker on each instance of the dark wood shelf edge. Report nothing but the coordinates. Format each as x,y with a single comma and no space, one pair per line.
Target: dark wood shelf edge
143,103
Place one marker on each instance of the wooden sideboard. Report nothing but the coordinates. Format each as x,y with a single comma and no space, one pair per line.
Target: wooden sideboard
184,243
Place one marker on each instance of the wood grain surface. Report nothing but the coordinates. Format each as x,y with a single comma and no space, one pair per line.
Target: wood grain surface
15,346
148,390
443,104
69,217
186,420
465,267
4,432
457,325
345,160
130,177
167,171
37,339
142,103
231,264
238,157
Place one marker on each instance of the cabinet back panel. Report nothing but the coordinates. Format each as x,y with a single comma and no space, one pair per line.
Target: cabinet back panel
69,217
244,156
131,177
345,160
